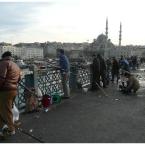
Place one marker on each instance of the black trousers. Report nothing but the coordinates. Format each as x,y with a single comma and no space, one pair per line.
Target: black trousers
103,77
95,80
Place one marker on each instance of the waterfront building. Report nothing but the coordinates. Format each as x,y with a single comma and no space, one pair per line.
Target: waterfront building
9,47
32,52
23,52
126,51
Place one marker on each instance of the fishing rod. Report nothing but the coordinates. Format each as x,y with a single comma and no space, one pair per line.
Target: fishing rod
22,130
37,96
102,90
28,89
57,67
32,136
26,133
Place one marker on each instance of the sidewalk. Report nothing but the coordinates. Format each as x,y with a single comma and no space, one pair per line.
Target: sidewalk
88,118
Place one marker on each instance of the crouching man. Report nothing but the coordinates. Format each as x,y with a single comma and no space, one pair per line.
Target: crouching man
132,84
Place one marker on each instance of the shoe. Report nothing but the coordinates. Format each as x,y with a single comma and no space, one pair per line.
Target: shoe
10,133
5,127
7,132
1,135
17,124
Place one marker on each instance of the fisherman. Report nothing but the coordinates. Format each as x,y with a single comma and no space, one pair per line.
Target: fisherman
108,70
95,70
65,72
102,69
115,69
124,64
9,78
132,84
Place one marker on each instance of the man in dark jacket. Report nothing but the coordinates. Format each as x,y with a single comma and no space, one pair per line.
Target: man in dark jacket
102,69
115,69
108,70
9,77
95,70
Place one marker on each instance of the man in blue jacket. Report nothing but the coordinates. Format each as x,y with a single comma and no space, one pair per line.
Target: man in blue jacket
65,71
124,64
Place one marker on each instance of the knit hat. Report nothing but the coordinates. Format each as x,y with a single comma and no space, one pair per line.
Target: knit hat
7,53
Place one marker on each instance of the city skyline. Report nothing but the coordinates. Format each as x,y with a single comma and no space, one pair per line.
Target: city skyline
71,20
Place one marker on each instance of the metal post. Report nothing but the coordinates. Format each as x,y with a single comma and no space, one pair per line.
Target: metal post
73,78
35,73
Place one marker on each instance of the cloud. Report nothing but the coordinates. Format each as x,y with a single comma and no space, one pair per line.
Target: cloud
22,20
15,17
71,20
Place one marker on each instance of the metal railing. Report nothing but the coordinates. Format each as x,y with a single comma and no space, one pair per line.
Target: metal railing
49,81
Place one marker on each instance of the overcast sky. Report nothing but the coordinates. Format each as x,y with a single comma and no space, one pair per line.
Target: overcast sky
71,20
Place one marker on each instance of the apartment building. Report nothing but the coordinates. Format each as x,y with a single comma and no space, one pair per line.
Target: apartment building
23,52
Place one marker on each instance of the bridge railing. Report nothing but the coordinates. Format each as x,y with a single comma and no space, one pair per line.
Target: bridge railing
49,81
20,98
84,76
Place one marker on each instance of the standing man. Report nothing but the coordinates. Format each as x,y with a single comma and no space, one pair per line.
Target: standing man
115,70
9,78
124,64
108,70
65,72
102,70
95,70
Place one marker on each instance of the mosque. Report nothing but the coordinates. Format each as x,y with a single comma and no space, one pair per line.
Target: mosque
118,50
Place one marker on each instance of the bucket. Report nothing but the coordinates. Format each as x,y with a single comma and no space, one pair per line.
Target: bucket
56,98
46,101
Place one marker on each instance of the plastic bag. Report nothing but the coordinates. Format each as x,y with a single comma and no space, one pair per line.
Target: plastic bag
16,113
39,93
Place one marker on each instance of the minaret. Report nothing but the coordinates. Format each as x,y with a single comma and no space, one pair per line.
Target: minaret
106,29
106,33
120,34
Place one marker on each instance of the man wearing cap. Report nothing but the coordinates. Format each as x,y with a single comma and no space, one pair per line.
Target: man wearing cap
9,78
